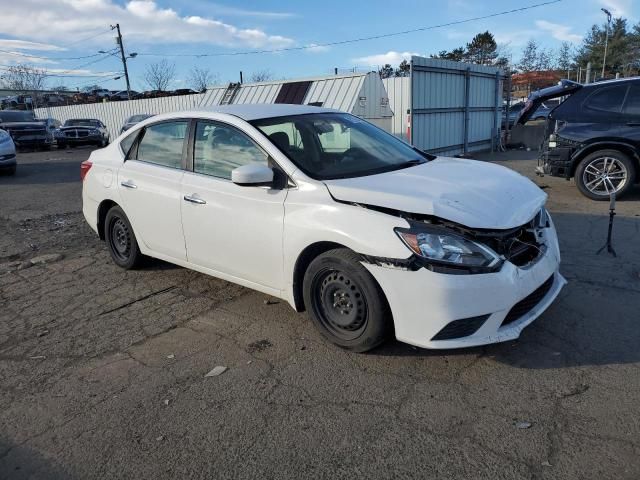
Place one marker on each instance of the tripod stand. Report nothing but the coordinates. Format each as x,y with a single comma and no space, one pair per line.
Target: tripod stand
612,213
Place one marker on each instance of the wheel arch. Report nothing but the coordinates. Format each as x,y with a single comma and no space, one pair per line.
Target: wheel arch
103,208
306,256
623,147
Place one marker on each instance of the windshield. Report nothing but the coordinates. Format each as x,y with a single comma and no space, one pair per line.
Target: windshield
81,123
338,145
6,116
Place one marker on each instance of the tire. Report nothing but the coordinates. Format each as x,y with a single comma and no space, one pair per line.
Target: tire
9,171
121,240
345,302
619,169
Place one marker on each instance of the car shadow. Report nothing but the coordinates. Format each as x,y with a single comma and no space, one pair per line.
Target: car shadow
21,462
43,173
594,320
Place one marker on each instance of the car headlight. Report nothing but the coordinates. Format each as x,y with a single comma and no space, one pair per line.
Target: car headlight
441,247
4,137
94,132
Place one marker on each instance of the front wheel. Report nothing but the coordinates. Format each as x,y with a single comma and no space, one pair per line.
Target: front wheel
345,302
603,172
121,240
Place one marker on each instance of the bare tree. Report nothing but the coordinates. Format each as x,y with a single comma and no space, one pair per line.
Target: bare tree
262,76
24,78
201,78
159,75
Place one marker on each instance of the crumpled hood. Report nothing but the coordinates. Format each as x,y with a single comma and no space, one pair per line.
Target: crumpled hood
468,192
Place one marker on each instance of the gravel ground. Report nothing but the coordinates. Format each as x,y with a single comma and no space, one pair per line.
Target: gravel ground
102,371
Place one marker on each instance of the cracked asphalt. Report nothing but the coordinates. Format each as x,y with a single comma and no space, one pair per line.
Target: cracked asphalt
102,371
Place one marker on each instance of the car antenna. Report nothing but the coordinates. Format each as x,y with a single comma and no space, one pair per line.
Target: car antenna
612,213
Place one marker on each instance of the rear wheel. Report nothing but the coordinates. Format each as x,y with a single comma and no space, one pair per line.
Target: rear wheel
345,302
121,240
603,172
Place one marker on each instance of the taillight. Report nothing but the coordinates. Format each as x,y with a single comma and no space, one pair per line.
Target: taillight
84,169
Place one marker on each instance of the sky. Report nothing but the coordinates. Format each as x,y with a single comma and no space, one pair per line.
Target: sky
65,36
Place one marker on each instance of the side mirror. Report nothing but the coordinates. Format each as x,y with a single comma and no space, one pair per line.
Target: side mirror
252,175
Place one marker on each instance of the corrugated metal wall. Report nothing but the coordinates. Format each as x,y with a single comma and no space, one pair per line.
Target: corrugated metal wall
455,107
399,92
362,94
114,114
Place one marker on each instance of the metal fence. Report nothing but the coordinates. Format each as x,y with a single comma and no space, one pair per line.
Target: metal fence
399,92
455,107
114,114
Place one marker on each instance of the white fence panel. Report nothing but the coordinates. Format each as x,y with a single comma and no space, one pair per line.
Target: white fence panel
114,114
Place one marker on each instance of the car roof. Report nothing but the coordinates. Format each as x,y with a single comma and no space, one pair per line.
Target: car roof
611,81
264,110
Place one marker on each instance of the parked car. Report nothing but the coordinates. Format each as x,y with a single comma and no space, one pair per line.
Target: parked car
82,131
17,102
25,130
184,91
123,95
333,215
593,136
7,154
541,113
132,120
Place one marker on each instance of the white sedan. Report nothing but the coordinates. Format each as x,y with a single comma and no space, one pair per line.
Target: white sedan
7,153
371,236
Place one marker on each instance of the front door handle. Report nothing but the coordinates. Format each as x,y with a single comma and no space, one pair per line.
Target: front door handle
194,199
128,184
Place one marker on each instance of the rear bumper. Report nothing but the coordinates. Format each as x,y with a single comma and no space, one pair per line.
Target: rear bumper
7,161
556,162
90,140
475,309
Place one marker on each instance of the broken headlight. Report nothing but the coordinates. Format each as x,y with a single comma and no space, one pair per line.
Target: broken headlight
442,247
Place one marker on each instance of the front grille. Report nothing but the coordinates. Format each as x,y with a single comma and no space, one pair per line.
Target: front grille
525,305
460,328
518,245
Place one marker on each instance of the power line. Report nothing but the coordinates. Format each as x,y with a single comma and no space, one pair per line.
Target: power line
18,54
104,56
101,32
101,74
353,40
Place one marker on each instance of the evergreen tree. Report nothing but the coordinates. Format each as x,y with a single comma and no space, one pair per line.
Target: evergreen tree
482,49
386,71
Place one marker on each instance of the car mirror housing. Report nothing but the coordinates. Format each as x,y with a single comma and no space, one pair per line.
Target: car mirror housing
252,175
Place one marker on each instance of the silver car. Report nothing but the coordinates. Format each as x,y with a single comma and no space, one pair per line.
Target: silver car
7,153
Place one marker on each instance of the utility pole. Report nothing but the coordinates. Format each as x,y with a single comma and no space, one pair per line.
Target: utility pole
606,38
124,59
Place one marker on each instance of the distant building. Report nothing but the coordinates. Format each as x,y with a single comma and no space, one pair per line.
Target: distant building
522,84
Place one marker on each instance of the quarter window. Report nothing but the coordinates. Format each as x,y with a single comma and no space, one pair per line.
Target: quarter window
218,149
127,142
632,105
162,144
607,99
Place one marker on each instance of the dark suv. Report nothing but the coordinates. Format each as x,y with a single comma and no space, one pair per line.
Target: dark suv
593,136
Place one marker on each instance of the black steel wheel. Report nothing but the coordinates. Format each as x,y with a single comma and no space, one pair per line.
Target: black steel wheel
345,302
121,240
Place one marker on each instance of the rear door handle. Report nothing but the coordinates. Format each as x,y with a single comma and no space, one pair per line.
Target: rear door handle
128,184
194,199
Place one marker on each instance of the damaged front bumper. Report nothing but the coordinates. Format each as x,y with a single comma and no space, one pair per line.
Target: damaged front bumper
439,310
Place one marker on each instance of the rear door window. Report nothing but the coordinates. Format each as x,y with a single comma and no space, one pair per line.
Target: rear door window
162,144
607,100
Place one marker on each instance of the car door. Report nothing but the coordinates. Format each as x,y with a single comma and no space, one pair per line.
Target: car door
232,229
149,182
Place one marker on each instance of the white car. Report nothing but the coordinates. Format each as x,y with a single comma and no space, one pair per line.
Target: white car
7,153
371,236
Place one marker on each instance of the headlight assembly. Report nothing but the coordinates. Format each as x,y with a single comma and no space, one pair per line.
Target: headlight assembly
440,247
4,136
